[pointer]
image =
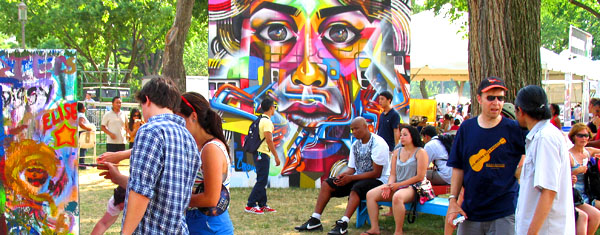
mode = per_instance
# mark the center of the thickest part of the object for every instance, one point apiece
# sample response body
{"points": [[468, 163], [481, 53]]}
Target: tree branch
{"points": [[587, 8], [79, 49]]}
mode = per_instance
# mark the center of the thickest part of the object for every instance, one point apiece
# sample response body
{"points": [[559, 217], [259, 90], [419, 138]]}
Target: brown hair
{"points": [[161, 91], [208, 119], [576, 129]]}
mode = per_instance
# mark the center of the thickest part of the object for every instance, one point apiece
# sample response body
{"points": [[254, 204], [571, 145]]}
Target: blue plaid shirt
{"points": [[164, 162]]}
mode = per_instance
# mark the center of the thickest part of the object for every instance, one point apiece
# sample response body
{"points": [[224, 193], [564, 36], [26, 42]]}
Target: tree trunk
{"points": [[460, 86], [504, 41], [175, 42], [423, 89]]}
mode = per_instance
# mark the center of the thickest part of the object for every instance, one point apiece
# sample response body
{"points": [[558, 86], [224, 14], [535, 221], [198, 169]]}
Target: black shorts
{"points": [[361, 187]]}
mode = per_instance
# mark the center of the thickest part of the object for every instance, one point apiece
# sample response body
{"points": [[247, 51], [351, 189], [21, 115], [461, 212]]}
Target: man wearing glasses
{"points": [[484, 157]]}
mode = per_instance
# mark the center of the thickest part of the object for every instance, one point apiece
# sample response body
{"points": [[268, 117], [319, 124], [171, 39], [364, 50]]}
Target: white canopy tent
{"points": [[438, 51]]}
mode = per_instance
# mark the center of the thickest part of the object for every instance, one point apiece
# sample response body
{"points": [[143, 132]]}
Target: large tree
{"points": [[175, 43], [504, 41]]}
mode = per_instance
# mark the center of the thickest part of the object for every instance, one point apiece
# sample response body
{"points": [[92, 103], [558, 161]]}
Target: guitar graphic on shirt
{"points": [[478, 160]]}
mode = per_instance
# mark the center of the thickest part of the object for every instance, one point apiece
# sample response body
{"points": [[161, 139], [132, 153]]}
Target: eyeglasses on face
{"points": [[493, 97], [582, 135]]}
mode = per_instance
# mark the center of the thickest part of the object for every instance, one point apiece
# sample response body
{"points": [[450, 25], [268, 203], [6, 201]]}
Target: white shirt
{"points": [[546, 166], [115, 123], [85, 121], [577, 113], [439, 156], [380, 154]]}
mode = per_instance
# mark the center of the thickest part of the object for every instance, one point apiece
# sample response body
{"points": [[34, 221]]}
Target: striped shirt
{"points": [[164, 161]]}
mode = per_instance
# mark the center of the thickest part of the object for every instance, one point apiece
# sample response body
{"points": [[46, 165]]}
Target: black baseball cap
{"points": [[490, 83]]}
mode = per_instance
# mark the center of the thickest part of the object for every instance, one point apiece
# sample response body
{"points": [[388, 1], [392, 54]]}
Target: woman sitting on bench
{"points": [[408, 166]]}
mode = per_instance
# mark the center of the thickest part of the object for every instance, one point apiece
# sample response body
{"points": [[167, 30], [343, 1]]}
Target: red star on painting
{"points": [[65, 136]]}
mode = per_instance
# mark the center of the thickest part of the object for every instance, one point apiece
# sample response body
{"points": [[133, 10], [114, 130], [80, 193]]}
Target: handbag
{"points": [[221, 206], [424, 191]]}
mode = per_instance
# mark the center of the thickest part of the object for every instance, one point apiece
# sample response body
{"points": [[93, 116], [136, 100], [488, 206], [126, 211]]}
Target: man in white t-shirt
{"points": [[113, 124], [545, 203], [367, 168], [441, 174]]}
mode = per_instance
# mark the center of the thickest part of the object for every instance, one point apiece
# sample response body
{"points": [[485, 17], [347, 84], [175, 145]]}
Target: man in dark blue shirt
{"points": [[388, 120], [484, 157]]}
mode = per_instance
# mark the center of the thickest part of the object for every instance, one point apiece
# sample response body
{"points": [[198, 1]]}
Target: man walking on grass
{"points": [[257, 200], [164, 163], [367, 168]]}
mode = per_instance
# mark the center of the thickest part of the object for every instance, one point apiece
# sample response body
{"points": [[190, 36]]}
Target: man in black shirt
{"points": [[388, 120]]}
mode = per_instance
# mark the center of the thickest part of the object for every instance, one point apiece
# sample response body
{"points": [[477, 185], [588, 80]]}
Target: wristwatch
{"points": [[452, 196]]}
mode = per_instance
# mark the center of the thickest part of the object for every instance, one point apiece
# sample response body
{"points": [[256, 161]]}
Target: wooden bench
{"points": [[437, 206]]}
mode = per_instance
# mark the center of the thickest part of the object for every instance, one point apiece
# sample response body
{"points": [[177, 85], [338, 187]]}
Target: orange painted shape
{"points": [[65, 136]]}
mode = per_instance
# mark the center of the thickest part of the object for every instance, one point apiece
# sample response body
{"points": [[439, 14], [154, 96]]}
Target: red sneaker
{"points": [[266, 209], [254, 210]]}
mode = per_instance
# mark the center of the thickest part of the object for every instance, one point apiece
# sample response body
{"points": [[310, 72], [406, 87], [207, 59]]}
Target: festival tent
{"points": [[438, 51]]}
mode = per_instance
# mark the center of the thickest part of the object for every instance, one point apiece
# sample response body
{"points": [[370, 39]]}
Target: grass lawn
{"points": [[294, 206]]}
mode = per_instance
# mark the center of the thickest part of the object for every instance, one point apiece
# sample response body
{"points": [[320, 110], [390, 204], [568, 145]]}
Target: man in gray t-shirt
{"points": [[437, 153]]}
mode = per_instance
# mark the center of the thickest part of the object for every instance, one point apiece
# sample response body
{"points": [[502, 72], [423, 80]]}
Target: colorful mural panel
{"points": [[324, 62], [38, 168]]}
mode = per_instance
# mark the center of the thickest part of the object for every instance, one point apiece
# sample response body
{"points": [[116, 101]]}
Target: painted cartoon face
{"points": [[313, 48]]}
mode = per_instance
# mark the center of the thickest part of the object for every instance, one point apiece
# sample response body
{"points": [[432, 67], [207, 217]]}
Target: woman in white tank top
{"points": [[208, 210]]}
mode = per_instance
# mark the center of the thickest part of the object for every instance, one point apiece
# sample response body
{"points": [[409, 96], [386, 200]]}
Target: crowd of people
{"points": [[509, 169]]}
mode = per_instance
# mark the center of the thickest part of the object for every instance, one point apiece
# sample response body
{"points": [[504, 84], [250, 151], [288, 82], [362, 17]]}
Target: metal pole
{"points": [[23, 34]]}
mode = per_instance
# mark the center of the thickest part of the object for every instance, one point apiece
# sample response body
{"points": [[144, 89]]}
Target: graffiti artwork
{"points": [[324, 62], [38, 170]]}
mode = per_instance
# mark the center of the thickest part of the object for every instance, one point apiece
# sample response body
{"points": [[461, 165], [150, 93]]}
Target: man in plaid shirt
{"points": [[164, 162]]}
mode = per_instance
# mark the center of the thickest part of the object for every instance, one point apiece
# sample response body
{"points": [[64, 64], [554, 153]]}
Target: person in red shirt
{"points": [[456, 125], [555, 120]]}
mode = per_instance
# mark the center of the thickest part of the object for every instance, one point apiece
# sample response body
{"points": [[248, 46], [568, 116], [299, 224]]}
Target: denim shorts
{"points": [[199, 223]]}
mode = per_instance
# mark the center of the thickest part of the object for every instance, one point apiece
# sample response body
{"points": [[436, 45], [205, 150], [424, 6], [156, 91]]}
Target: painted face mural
{"points": [[323, 62], [38, 194]]}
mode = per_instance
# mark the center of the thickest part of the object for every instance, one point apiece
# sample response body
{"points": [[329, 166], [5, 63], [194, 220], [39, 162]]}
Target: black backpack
{"points": [[591, 180], [252, 141], [447, 140]]}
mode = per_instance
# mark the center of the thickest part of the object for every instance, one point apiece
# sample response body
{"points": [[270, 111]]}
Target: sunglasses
{"points": [[493, 97], [582, 135]]}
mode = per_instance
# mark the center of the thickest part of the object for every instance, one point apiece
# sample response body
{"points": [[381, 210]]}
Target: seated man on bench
{"points": [[437, 148], [367, 167]]}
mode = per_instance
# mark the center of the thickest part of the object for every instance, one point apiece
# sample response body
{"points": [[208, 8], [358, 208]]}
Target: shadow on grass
{"points": [[294, 206]]}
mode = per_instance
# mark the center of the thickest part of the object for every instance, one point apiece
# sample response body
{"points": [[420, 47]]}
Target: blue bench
{"points": [[437, 206]]}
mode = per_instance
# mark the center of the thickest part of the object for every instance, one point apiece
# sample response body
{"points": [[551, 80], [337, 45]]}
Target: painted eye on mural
{"points": [[275, 32], [340, 33]]}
